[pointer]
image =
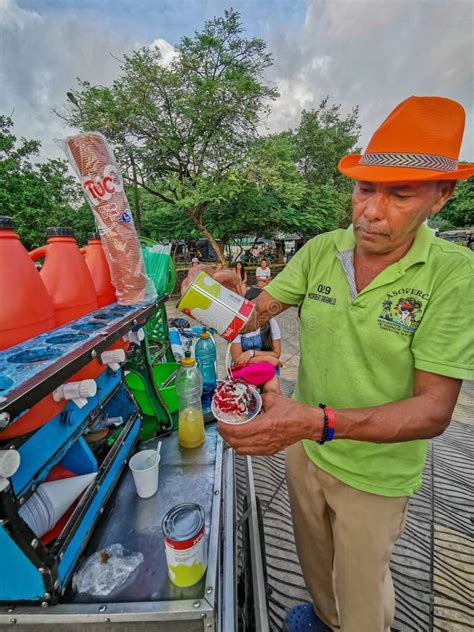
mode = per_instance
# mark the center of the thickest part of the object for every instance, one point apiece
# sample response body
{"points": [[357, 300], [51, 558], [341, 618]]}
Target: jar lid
{"points": [[59, 231], [6, 223]]}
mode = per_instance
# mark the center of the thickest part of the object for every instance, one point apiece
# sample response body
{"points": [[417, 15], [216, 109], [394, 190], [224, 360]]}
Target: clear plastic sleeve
{"points": [[94, 162]]}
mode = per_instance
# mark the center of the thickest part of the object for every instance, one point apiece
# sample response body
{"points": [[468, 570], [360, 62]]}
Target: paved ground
{"points": [[433, 564]]}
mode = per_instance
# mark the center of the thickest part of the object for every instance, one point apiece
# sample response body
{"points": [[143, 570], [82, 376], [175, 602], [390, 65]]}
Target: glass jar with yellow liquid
{"points": [[189, 388]]}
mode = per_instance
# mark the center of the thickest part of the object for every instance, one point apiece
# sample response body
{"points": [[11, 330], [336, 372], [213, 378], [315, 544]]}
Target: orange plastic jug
{"points": [[69, 284], [26, 310], [100, 273], [94, 257], [66, 276], [33, 418]]}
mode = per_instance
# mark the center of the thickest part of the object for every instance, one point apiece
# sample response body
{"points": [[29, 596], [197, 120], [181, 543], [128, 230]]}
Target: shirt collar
{"points": [[345, 240], [420, 248]]}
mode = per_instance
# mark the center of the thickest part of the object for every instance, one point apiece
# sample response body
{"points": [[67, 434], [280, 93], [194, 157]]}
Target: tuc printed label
{"points": [[101, 189]]}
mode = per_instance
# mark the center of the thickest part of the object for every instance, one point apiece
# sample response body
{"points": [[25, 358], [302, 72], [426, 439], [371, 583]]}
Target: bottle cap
{"points": [[6, 223], [204, 333], [59, 231], [94, 236], [188, 360]]}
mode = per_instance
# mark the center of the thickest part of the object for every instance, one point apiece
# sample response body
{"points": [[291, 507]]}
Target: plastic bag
{"points": [[105, 571], [157, 260], [94, 162], [102, 422]]}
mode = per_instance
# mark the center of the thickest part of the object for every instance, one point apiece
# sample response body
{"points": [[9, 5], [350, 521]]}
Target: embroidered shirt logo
{"points": [[402, 315]]}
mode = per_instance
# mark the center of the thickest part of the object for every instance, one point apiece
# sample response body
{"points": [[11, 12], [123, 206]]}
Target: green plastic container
{"points": [[160, 372]]}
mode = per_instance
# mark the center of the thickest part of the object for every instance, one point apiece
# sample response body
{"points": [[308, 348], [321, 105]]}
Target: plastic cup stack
{"points": [[51, 501]]}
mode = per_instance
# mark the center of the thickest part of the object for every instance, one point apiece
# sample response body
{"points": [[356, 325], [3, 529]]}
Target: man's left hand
{"points": [[283, 422]]}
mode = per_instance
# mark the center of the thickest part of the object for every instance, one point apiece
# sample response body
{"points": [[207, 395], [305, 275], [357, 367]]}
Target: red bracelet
{"points": [[329, 428], [331, 417], [331, 423]]}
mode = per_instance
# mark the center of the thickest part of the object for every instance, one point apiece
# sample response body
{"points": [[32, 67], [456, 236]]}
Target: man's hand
{"points": [[284, 422], [226, 277]]}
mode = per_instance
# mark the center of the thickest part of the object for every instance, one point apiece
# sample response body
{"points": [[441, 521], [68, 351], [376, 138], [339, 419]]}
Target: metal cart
{"points": [[150, 601], [110, 512]]}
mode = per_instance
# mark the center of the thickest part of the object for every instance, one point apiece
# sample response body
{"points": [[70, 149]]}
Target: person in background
{"points": [[263, 273], [242, 274], [219, 266], [261, 345], [194, 262]]}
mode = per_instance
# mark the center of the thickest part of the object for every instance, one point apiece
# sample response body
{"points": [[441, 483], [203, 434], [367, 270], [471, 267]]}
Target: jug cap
{"points": [[188, 360], [6, 223], [59, 231]]}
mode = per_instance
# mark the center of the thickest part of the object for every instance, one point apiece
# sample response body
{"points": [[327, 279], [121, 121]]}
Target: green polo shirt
{"points": [[360, 350]]}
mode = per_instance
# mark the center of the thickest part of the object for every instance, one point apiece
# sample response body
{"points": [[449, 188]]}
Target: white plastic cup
{"points": [[144, 466]]}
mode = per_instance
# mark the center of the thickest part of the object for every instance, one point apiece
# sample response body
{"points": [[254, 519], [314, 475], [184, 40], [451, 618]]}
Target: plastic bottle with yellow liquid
{"points": [[189, 388]]}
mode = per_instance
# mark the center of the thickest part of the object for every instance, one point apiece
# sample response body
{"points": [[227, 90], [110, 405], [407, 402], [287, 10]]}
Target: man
{"points": [[386, 340], [263, 273], [194, 262]]}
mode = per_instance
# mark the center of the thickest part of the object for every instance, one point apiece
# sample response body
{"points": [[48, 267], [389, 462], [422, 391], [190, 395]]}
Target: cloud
{"points": [[41, 57], [167, 50], [375, 53], [371, 53]]}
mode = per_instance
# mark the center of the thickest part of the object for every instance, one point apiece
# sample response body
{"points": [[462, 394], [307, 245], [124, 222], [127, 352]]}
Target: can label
{"points": [[214, 305], [187, 560]]}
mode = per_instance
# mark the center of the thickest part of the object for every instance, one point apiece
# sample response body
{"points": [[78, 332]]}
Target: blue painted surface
{"points": [[19, 578], [71, 553], [121, 404], [79, 458], [55, 437], [91, 326]]}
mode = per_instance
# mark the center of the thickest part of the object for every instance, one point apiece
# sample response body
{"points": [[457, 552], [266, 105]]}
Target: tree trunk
{"points": [[215, 246], [222, 243], [279, 251], [136, 198]]}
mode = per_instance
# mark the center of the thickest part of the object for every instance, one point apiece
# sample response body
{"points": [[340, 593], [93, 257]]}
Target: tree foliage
{"points": [[323, 136], [459, 210], [37, 195], [186, 125]]}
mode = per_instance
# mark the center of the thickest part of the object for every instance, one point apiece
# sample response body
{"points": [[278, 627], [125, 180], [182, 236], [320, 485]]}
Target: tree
{"points": [[459, 210], [268, 186], [182, 128], [253, 199], [322, 138], [322, 208], [38, 195]]}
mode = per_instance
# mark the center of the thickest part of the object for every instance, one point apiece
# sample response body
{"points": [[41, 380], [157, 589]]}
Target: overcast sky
{"points": [[371, 53]]}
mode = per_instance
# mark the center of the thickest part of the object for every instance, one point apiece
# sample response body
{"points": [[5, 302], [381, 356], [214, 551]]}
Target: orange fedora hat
{"points": [[419, 140]]}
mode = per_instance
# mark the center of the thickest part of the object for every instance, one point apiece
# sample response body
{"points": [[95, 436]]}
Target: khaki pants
{"points": [[344, 539]]}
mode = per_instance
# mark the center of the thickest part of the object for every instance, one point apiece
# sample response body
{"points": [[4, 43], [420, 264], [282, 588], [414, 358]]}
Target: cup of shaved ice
{"points": [[235, 402]]}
